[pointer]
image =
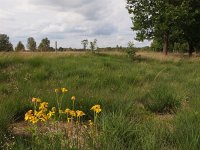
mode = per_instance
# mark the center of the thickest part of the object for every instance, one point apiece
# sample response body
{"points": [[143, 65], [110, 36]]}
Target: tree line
{"points": [[5, 44], [169, 23]]}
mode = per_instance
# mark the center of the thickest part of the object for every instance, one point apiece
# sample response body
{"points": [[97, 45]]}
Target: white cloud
{"points": [[67, 21]]}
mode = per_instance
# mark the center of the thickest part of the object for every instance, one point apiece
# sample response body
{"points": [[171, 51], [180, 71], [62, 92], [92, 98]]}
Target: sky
{"points": [[68, 22]]}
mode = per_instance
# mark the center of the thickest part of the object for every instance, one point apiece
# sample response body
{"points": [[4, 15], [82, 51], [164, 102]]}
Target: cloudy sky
{"points": [[67, 21]]}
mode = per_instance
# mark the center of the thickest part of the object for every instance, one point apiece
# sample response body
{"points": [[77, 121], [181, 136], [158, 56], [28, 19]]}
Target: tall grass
{"points": [[132, 95]]}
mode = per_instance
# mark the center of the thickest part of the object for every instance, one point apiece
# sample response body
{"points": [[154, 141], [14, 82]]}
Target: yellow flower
{"points": [[61, 111], [73, 98], [64, 90], [98, 110], [34, 100], [90, 122], [72, 113], [30, 112], [68, 120], [34, 120], [43, 118], [80, 113], [50, 114], [53, 109], [95, 107], [67, 111], [37, 100], [38, 114], [43, 106], [28, 115], [57, 90]]}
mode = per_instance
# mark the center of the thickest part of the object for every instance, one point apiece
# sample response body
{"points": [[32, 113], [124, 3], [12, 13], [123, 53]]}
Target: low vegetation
{"points": [[146, 104]]}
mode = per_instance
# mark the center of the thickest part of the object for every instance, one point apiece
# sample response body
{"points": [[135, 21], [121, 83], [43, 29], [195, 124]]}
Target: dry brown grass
{"points": [[113, 53], [153, 55], [40, 54], [170, 57]]}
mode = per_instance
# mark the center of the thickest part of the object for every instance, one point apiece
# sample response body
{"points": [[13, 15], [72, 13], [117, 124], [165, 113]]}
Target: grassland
{"points": [[151, 103]]}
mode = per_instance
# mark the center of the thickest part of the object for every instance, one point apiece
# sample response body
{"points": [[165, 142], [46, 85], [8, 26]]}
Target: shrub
{"points": [[131, 51]]}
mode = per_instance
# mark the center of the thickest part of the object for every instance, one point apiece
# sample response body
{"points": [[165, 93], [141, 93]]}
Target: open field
{"points": [[151, 103]]}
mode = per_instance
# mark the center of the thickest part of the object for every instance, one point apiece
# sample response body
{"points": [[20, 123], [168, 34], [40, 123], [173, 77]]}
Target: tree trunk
{"points": [[191, 49], [166, 43]]}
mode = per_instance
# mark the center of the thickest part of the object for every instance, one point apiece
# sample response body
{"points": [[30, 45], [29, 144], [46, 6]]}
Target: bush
{"points": [[131, 51]]}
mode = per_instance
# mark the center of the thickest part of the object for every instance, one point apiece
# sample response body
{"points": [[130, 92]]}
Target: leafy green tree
{"points": [[170, 21], [153, 18], [189, 23], [31, 44], [5, 44], [180, 47], [84, 43], [156, 45], [93, 45], [61, 49], [44, 45], [20, 46]]}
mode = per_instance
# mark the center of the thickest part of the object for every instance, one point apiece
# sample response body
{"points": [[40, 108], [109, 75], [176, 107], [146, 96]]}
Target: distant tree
{"points": [[84, 43], [93, 45], [44, 45], [20, 46], [51, 49], [61, 49], [31, 44], [5, 44]]}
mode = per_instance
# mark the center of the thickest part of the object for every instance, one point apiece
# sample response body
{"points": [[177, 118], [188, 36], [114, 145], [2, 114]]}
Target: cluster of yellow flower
{"points": [[61, 90], [41, 113]]}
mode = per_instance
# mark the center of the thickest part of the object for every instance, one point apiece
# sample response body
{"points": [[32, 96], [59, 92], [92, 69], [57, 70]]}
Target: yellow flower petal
{"points": [[95, 107], [36, 100], [64, 90], [72, 113], [53, 109], [67, 111], [80, 113]]}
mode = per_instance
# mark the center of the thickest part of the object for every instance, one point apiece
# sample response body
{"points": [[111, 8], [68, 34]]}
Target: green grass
{"points": [[135, 96]]}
